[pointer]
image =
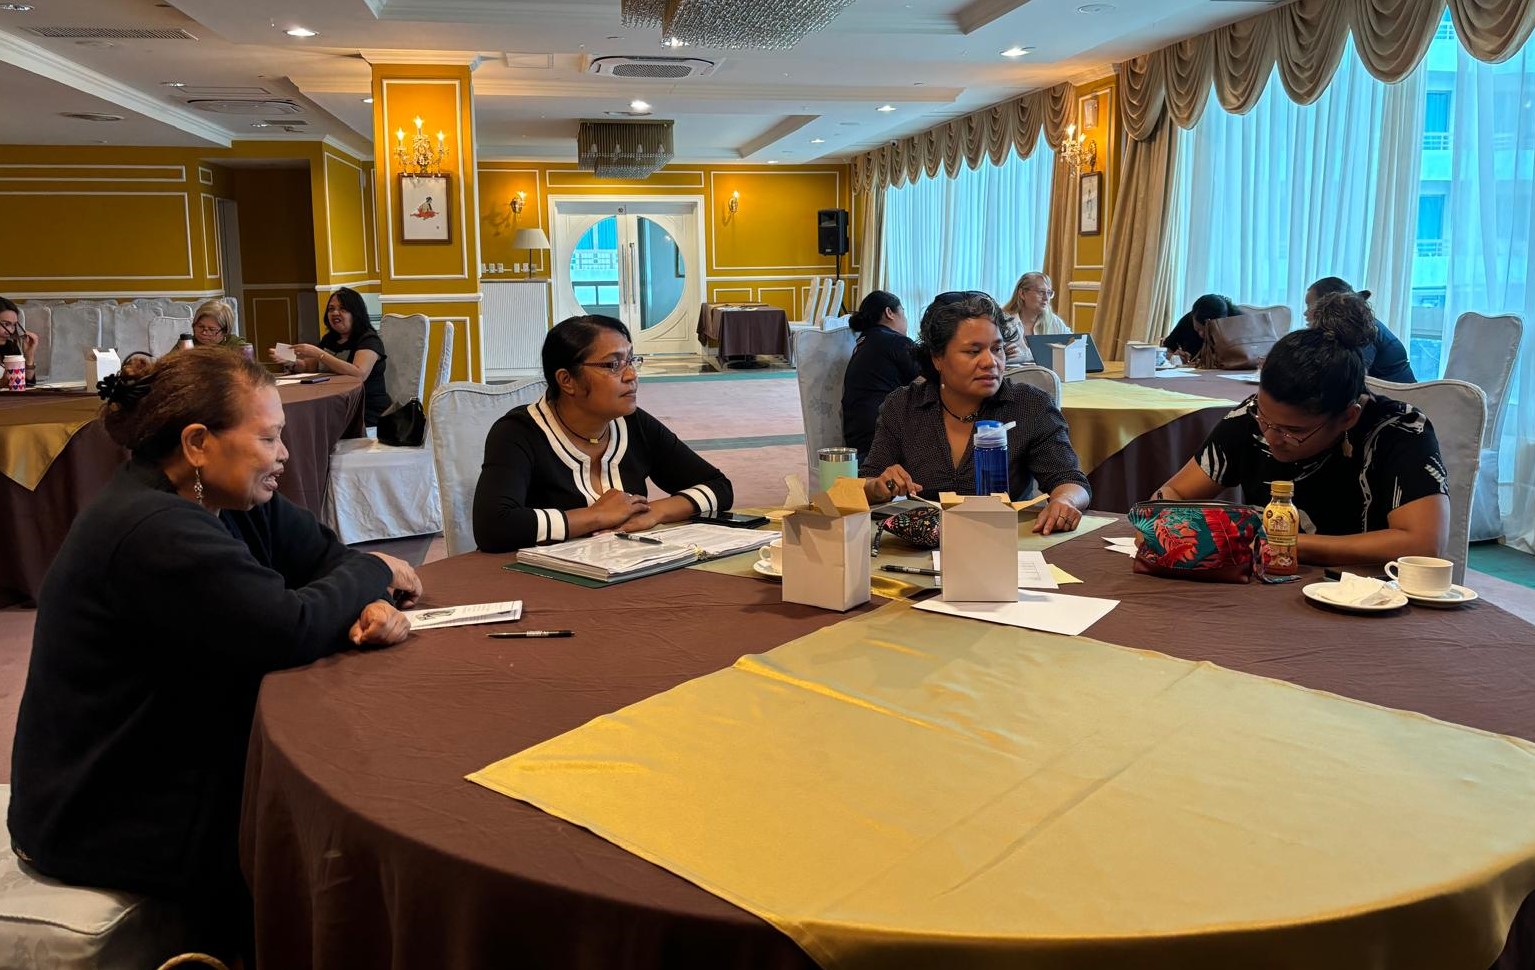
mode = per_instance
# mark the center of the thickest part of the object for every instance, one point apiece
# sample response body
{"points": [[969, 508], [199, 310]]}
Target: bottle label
{"points": [[1281, 523]]}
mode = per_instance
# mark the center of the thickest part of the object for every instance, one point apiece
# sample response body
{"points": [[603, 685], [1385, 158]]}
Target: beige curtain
{"points": [[1060, 237], [1137, 295], [871, 240], [1493, 30]]}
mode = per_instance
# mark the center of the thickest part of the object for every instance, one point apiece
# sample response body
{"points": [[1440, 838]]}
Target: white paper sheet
{"points": [[1163, 372], [444, 616], [1120, 544], [1048, 612], [1246, 377], [1033, 571], [285, 353]]}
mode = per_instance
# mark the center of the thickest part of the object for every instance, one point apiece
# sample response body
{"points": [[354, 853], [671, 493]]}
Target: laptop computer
{"points": [[1040, 344]]}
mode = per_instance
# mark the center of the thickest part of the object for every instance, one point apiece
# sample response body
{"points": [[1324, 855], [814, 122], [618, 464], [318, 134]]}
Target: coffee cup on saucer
{"points": [[771, 555], [1422, 575]]}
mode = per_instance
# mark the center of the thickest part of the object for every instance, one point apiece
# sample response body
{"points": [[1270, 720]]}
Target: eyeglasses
{"points": [[1047, 294], [1265, 425], [213, 329], [616, 367]]}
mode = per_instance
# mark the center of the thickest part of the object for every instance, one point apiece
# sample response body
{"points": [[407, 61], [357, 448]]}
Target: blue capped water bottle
{"points": [[990, 458]]}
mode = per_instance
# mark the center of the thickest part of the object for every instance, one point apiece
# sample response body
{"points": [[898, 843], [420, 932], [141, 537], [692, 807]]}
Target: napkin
{"points": [[1352, 590]]}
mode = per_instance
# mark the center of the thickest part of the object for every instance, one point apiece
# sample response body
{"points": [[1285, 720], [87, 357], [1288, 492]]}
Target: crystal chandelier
{"points": [[731, 24], [1077, 152], [420, 159], [624, 149]]}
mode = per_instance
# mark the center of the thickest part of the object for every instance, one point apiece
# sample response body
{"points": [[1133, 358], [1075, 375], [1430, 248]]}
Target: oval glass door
{"points": [[594, 271], [660, 272]]}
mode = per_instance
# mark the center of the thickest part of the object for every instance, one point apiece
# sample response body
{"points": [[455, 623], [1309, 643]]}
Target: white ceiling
{"points": [[930, 59]]}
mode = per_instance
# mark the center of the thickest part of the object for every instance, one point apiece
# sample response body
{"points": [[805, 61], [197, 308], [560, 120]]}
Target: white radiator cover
{"points": [[514, 319]]}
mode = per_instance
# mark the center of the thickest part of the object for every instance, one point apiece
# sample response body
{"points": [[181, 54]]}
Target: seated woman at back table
{"points": [[187, 579], [351, 347], [213, 326], [1385, 359], [1369, 481], [881, 362], [577, 461], [1184, 340], [16, 340], [1029, 313], [924, 442]]}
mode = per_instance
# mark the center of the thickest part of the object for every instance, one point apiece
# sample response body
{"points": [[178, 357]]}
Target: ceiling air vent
{"points": [[240, 106], [655, 68], [113, 33]]}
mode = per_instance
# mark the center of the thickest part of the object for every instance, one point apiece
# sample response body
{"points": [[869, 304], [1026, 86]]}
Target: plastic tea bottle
{"points": [[990, 458], [185, 342], [1281, 521]]}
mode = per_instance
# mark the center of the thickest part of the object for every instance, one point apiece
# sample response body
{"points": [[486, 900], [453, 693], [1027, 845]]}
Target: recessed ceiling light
{"points": [[90, 116], [300, 32], [887, 108], [368, 100], [16, 7], [260, 124], [818, 141], [1017, 51], [673, 42], [772, 161], [638, 105], [1095, 8], [173, 84]]}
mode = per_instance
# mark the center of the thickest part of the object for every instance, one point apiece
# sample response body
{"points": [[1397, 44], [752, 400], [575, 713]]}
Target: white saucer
{"points": [[1319, 591], [1451, 598], [764, 568]]}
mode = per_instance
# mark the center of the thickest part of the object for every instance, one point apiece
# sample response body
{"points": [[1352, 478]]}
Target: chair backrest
{"points": [[75, 330], [1041, 377], [1279, 314], [406, 339], [180, 309], [1458, 411], [1483, 352], [132, 331], [163, 334], [820, 360], [38, 319], [445, 362], [458, 422], [813, 298], [833, 303]]}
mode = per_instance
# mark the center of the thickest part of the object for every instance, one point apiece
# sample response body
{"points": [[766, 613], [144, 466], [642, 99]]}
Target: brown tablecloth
{"points": [[35, 522], [365, 847], [744, 331]]}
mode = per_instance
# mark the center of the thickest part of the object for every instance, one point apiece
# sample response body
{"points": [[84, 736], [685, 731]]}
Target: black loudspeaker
{"points": [[831, 232]]}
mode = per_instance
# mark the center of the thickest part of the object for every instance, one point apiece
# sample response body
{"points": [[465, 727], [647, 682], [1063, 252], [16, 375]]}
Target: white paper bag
{"points": [[979, 549], [1069, 361], [1140, 359], [99, 365], [826, 557]]}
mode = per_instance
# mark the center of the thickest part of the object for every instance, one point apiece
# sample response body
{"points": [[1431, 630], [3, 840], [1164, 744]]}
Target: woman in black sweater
{"points": [[882, 361], [352, 347], [183, 583], [577, 461]]}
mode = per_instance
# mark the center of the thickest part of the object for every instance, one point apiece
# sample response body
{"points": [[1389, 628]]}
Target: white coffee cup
{"points": [[1422, 575], [772, 555]]}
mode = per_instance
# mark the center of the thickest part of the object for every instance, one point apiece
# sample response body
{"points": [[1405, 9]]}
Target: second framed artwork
{"points": [[1090, 204], [424, 209]]}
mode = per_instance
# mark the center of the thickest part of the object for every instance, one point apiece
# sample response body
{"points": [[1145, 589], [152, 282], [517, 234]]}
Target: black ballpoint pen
{"points": [[911, 570], [634, 538], [529, 634]]}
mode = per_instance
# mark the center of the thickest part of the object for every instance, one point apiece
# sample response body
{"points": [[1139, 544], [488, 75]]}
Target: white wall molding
{"points": [[431, 298]]}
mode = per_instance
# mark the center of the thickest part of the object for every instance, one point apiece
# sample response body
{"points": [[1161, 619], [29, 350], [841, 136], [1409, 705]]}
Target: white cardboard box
{"points": [[979, 543], [826, 555], [1140, 359], [99, 365], [1069, 361]]}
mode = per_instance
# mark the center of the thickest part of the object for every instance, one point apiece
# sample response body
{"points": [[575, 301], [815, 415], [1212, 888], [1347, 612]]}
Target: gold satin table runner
{"points": [[32, 436], [1106, 415], [908, 790]]}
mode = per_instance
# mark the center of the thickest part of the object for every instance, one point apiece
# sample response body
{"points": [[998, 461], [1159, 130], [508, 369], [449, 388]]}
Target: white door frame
{"points": [[694, 290]]}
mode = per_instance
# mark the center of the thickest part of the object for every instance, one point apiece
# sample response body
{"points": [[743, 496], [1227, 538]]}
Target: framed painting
{"points": [[424, 209], [1089, 205]]}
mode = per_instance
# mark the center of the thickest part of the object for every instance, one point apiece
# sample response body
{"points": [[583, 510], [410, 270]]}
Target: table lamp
{"points": [[530, 239]]}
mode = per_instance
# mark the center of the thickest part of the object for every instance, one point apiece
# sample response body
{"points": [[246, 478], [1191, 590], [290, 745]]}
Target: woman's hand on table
{"points": [[379, 624], [615, 508], [889, 483], [641, 521], [1063, 513], [403, 581]]}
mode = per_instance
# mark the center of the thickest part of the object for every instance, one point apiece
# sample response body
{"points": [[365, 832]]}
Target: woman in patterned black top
{"points": [[578, 461], [1369, 481], [923, 441]]}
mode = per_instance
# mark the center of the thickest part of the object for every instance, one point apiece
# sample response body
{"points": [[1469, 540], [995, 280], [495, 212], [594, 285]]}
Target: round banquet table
{"points": [[365, 846], [36, 520]]}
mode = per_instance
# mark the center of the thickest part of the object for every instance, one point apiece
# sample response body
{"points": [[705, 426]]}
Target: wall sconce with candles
{"points": [[1077, 152], [420, 159], [732, 205], [518, 202]]}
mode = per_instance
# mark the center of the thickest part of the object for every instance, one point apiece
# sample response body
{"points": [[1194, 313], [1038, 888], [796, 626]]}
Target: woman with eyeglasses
{"points": [[1029, 311], [924, 442], [579, 461], [1369, 481], [16, 340], [213, 326]]}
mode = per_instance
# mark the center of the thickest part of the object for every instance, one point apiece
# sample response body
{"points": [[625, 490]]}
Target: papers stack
{"points": [[1049, 612], [609, 557], [714, 541], [1033, 571], [445, 616]]}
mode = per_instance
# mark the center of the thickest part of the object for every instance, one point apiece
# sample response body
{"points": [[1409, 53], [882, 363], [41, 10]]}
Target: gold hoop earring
{"points": [[197, 485]]}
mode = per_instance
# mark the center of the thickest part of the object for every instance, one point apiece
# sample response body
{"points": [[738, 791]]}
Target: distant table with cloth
{"points": [[1176, 814], [743, 331], [55, 456]]}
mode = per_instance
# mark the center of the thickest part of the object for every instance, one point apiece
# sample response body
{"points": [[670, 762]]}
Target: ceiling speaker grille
{"points": [[113, 33], [624, 149]]}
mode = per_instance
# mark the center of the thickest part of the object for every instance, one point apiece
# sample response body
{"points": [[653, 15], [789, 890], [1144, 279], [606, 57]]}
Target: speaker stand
{"points": [[842, 306]]}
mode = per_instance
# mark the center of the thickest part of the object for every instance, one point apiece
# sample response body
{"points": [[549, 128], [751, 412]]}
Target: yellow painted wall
{"points": [[1077, 299], [765, 253], [277, 250]]}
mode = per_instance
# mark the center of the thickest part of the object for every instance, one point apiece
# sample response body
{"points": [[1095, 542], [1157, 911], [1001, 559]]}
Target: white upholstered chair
{"points": [[1041, 377], [457, 424], [1483, 352], [1279, 314], [379, 491], [163, 334], [37, 317], [133, 324], [1458, 411], [820, 358], [833, 307], [75, 330]]}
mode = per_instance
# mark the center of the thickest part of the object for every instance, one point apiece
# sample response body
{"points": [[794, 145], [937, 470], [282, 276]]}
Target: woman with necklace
{"points": [[577, 461], [923, 441]]}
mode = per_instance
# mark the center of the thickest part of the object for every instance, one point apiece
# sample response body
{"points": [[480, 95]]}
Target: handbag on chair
{"points": [[1236, 343], [405, 426]]}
